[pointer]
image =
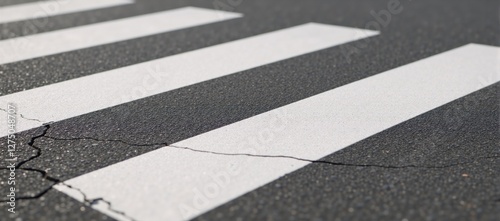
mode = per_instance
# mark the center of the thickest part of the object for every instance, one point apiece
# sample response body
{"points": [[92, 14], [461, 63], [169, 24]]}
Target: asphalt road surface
{"points": [[391, 108]]}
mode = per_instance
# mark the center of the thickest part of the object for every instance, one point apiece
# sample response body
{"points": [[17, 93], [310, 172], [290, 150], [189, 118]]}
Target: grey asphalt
{"points": [[443, 165]]}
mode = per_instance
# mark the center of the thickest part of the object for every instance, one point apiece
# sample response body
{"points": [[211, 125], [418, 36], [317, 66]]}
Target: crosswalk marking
{"points": [[18, 49], [99, 91], [42, 9], [172, 183]]}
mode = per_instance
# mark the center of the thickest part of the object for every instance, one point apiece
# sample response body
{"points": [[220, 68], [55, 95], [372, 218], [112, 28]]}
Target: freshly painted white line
{"points": [[99, 91], [33, 46], [42, 9], [174, 184]]}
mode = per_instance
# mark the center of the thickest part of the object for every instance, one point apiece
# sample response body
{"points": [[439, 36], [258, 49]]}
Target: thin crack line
{"points": [[55, 181], [87, 201], [41, 193], [91, 202], [107, 140], [43, 173], [31, 143], [335, 163], [276, 156], [32, 119], [26, 118]]}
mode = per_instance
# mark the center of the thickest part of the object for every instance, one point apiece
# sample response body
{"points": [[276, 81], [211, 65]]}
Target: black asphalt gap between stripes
{"points": [[428, 168]]}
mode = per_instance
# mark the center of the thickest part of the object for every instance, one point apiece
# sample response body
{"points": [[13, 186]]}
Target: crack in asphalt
{"points": [[41, 193], [91, 202], [33, 119], [27, 118], [55, 181], [277, 156], [94, 201], [31, 143], [338, 163]]}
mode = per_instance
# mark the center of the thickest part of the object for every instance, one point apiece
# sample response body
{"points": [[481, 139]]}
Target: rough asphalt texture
{"points": [[442, 165]]}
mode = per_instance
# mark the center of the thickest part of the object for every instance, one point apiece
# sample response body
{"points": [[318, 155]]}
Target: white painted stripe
{"points": [[33, 46], [99, 91], [42, 9], [162, 184]]}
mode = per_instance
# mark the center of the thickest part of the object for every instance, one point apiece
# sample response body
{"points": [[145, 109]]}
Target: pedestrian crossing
{"points": [[308, 129], [262, 148], [118, 86]]}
